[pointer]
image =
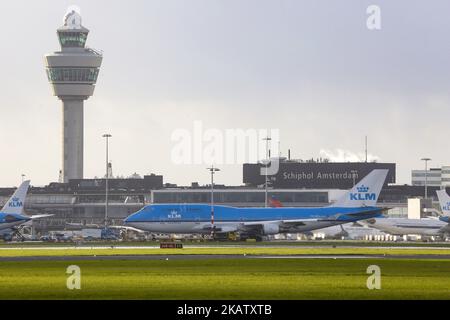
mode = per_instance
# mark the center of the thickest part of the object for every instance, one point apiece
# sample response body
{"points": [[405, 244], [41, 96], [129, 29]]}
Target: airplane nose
{"points": [[137, 216], [129, 219]]}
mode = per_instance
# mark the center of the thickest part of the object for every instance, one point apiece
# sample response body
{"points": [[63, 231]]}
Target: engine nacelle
{"points": [[271, 228]]}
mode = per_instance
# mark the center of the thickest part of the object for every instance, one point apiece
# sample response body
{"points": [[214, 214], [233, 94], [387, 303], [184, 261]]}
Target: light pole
{"points": [[426, 176], [212, 170], [354, 173], [267, 139], [107, 136]]}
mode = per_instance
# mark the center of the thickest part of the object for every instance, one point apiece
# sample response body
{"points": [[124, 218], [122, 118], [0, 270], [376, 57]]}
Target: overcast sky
{"points": [[311, 69]]}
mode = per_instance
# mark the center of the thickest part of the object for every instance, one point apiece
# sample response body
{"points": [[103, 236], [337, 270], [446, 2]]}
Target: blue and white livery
{"points": [[357, 204], [12, 215], [444, 201]]}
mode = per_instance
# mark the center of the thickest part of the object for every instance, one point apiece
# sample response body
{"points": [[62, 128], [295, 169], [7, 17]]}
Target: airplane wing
{"points": [[40, 216], [80, 225], [361, 215], [302, 225], [126, 228]]}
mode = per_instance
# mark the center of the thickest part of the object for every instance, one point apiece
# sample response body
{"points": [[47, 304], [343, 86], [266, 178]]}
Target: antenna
{"points": [[279, 148], [366, 149], [267, 139]]}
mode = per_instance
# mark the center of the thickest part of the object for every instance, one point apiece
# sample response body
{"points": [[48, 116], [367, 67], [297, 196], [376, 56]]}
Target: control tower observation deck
{"points": [[73, 73]]}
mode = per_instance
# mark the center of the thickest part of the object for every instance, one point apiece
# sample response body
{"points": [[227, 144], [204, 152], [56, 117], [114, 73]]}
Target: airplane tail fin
{"points": [[15, 204], [365, 193], [444, 201]]}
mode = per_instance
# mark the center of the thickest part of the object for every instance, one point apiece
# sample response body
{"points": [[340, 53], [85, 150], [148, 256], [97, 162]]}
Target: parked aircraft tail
{"points": [[365, 193], [444, 201], [16, 202]]}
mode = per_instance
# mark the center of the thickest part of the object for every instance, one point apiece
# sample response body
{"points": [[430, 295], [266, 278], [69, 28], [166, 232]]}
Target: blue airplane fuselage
{"points": [[200, 213], [196, 218]]}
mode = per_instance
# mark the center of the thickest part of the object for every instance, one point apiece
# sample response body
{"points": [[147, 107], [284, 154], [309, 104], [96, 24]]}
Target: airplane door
{"points": [[162, 215]]}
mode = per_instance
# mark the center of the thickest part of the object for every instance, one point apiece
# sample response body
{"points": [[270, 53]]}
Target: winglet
{"points": [[16, 202], [366, 192]]}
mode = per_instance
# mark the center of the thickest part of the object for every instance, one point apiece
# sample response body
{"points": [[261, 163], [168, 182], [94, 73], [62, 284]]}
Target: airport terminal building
{"points": [[437, 177]]}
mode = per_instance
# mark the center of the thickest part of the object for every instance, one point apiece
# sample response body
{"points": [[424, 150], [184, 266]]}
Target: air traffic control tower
{"points": [[73, 72]]}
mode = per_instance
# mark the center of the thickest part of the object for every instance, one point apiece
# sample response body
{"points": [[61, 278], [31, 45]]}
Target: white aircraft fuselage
{"points": [[404, 226]]}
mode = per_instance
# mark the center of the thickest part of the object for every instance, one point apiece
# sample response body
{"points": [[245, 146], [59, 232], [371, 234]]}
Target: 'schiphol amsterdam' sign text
{"points": [[311, 175]]}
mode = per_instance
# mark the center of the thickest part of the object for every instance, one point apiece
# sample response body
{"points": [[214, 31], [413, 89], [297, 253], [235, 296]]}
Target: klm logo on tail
{"points": [[15, 203], [362, 194]]}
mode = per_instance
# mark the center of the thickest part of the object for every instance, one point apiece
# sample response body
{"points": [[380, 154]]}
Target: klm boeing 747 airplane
{"points": [[11, 216], [357, 204]]}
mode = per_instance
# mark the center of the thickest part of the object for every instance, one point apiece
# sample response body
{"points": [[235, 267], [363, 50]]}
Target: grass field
{"points": [[227, 279], [16, 252]]}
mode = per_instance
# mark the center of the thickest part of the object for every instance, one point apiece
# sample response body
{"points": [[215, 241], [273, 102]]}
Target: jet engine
{"points": [[271, 228]]}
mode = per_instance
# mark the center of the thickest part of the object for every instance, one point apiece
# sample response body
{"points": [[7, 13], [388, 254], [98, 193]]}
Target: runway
{"points": [[214, 257]]}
